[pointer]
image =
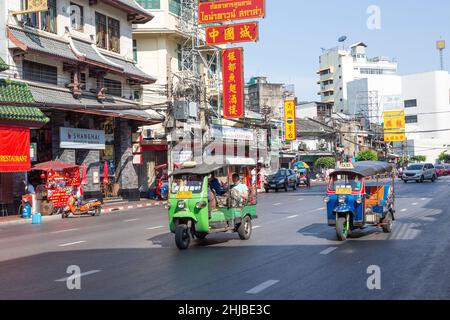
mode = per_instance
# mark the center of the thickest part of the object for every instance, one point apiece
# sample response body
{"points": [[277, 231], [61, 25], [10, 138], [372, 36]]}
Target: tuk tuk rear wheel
{"points": [[245, 229], [341, 229], [182, 237], [388, 220]]}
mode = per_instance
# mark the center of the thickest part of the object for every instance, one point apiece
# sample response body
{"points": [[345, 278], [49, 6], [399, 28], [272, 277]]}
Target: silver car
{"points": [[420, 173]]}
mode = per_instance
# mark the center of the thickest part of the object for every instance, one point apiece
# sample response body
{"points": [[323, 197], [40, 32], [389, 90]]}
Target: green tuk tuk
{"points": [[197, 208]]}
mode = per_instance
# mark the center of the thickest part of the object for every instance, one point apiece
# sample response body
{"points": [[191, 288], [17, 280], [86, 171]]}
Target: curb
{"points": [[104, 211]]}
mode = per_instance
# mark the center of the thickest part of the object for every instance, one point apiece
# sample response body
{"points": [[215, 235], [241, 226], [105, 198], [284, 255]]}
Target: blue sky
{"points": [[294, 31]]}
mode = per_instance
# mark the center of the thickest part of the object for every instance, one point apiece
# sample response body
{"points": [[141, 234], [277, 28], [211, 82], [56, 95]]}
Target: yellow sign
{"points": [[290, 133], [394, 126], [343, 190], [184, 195], [440, 44], [34, 6], [346, 165]]}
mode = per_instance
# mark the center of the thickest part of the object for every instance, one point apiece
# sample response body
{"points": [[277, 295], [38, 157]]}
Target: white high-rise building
{"points": [[338, 67], [427, 108]]}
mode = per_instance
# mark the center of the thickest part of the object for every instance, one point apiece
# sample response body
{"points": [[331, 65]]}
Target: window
{"points": [[135, 50], [39, 72], [149, 4], [113, 87], [410, 103], [76, 17], [114, 35], [45, 20], [108, 32], [100, 26], [411, 119], [175, 7]]}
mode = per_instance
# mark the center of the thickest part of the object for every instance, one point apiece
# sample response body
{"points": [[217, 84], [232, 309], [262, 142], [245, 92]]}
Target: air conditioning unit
{"points": [[148, 134]]}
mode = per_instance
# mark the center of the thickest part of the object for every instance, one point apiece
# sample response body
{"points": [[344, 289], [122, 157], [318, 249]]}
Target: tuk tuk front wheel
{"points": [[182, 237], [341, 229], [245, 229]]}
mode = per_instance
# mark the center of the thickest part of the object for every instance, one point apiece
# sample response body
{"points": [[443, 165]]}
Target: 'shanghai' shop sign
{"points": [[72, 138]]}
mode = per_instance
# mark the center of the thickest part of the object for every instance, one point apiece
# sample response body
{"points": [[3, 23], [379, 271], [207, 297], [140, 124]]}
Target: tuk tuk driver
{"points": [[239, 187]]}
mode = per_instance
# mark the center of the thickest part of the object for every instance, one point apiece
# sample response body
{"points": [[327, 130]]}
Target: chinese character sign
{"points": [[243, 32], [394, 126], [290, 133], [229, 10], [233, 83]]}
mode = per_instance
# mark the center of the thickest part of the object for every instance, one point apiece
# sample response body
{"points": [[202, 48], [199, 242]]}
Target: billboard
{"points": [[233, 83], [394, 126], [242, 32], [290, 133], [230, 10]]}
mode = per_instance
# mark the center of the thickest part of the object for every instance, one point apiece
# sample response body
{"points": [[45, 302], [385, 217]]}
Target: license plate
{"points": [[343, 190], [184, 195], [272, 185]]}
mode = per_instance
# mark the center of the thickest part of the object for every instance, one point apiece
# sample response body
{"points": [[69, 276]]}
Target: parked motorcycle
{"points": [[91, 207]]}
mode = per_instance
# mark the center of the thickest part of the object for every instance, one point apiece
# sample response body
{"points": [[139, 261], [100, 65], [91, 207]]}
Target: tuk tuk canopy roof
{"points": [[54, 166], [203, 169], [367, 168]]}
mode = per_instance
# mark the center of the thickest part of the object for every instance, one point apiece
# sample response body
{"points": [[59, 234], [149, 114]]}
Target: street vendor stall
{"points": [[59, 181]]}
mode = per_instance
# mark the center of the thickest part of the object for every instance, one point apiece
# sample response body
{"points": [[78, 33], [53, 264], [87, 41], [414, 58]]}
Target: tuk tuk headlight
{"points": [[342, 199], [201, 205], [181, 204], [326, 199]]}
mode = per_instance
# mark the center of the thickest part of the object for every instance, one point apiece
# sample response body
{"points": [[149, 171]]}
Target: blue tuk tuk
{"points": [[361, 195]]}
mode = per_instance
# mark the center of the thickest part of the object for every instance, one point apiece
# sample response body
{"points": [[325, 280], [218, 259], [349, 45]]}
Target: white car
{"points": [[420, 173]]}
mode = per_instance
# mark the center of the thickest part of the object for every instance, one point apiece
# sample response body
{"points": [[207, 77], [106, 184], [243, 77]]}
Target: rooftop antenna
{"points": [[440, 45], [342, 40]]}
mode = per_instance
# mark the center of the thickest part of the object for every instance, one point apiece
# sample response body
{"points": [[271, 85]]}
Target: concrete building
{"points": [[76, 61], [313, 110], [338, 67], [427, 108]]}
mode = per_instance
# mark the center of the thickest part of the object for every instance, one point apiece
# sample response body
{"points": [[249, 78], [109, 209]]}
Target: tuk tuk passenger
{"points": [[239, 191]]}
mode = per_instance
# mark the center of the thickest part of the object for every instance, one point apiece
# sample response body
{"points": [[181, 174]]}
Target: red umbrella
{"points": [[83, 174], [105, 173]]}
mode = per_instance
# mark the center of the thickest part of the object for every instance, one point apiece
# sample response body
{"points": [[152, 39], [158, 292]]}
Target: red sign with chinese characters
{"points": [[230, 10], [14, 149], [233, 83], [243, 32]]}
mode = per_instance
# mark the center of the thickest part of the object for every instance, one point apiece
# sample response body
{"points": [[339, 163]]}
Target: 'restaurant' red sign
{"points": [[243, 32], [233, 83], [14, 149], [230, 10]]}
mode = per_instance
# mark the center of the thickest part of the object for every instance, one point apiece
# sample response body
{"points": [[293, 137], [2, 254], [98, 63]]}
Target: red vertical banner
{"points": [[14, 149], [233, 83]]}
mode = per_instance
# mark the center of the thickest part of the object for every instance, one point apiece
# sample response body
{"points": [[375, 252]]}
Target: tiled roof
{"points": [[143, 15], [40, 43], [17, 92], [131, 69], [91, 54], [58, 97]]}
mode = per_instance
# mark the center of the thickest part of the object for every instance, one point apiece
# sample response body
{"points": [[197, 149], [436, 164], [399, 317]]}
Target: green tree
{"points": [[445, 157], [419, 158], [326, 162], [367, 155]]}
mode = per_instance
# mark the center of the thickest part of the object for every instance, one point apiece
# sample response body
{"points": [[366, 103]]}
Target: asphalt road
{"points": [[292, 254]]}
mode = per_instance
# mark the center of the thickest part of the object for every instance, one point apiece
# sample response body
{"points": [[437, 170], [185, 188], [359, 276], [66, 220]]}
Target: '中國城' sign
{"points": [[14, 149], [230, 10], [233, 83], [242, 32]]}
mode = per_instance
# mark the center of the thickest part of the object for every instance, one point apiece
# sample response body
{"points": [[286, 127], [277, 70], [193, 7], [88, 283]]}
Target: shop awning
{"points": [[53, 165], [12, 92]]}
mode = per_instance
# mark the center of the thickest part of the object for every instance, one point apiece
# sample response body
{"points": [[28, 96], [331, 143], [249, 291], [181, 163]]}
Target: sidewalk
{"points": [[107, 208]]}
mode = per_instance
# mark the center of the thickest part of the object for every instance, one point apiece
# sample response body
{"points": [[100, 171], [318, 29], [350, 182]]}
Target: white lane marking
{"points": [[154, 228], [130, 220], [328, 251], [415, 204], [130, 207], [78, 275], [292, 217], [71, 243], [404, 210], [148, 204], [300, 199], [320, 209], [62, 231], [256, 227], [121, 208], [423, 199], [139, 205], [263, 286], [276, 204]]}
